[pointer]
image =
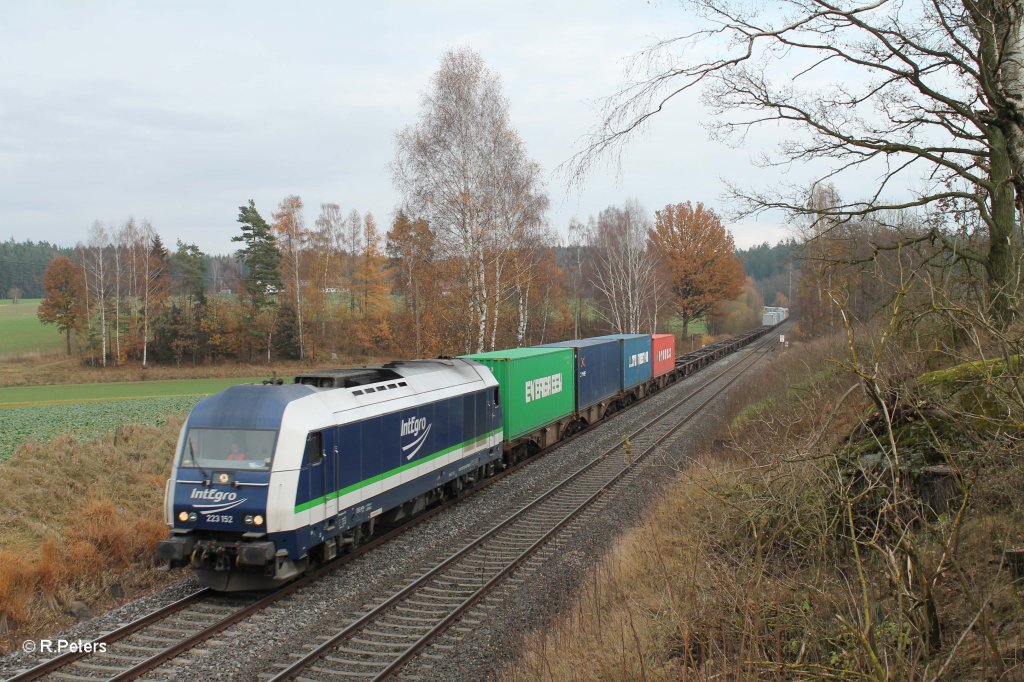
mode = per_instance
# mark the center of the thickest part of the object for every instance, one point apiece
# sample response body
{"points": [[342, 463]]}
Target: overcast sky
{"points": [[180, 112]]}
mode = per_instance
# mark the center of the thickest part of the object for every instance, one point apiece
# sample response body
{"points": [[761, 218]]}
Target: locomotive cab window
{"points": [[314, 448], [228, 449]]}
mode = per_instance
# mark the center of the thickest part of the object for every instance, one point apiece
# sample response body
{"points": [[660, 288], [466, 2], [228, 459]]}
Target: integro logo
{"points": [[215, 501], [664, 354], [638, 359], [543, 387], [413, 425], [418, 428], [212, 495]]}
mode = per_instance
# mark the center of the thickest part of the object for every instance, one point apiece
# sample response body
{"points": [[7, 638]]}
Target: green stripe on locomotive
{"points": [[536, 386]]}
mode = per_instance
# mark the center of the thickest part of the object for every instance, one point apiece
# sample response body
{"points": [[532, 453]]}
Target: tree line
{"points": [[468, 262], [341, 287], [22, 265]]}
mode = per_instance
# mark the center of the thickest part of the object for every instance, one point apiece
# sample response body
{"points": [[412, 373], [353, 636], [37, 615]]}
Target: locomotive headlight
{"points": [[258, 520], [192, 516], [183, 516], [248, 519]]}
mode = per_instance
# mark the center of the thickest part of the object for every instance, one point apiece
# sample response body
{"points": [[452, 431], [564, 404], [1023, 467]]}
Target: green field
{"points": [[25, 396], [673, 325], [89, 410], [21, 331]]}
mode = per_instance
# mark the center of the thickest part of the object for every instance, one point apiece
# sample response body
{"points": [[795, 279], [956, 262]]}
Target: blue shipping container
{"points": [[636, 357], [598, 369]]}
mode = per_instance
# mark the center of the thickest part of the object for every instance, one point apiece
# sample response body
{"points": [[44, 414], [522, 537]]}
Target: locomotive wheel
{"points": [[357, 538]]}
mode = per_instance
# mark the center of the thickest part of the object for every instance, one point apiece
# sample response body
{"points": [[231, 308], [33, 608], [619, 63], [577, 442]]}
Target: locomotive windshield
{"points": [[228, 449]]}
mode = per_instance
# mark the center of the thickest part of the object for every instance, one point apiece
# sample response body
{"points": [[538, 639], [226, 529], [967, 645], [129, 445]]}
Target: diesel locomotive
{"points": [[271, 479]]}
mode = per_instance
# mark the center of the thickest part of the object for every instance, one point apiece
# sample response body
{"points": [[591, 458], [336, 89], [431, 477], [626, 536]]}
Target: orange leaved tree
{"points": [[697, 258], [64, 304]]}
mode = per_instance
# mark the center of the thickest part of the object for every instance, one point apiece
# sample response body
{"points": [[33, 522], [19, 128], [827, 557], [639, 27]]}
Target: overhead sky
{"points": [[179, 112]]}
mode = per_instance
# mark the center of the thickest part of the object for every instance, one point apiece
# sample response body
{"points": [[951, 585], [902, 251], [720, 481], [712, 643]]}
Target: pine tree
{"points": [[261, 256]]}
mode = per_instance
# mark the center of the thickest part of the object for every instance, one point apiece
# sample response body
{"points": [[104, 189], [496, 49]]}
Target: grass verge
{"points": [[778, 557], [80, 523]]}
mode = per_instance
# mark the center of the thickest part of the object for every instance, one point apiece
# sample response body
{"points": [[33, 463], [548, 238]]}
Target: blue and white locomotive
{"points": [[271, 479]]}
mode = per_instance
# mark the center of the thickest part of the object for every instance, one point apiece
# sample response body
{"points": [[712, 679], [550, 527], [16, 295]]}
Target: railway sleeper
{"points": [[351, 662], [361, 652]]}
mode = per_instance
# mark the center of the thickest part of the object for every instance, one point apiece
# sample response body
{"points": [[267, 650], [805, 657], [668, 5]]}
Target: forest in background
{"points": [[362, 293]]}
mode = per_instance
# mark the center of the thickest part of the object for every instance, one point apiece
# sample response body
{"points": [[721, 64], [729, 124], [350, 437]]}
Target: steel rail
{"points": [[630, 468], [58, 662], [68, 659], [414, 586]]}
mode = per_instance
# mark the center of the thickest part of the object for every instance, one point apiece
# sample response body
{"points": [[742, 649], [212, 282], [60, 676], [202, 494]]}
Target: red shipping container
{"points": [[663, 348]]}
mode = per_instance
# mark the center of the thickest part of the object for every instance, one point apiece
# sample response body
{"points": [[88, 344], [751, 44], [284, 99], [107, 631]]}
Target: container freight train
{"points": [[773, 316], [272, 479]]}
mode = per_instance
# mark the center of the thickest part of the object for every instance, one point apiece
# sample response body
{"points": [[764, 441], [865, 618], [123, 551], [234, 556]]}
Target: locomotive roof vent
{"points": [[347, 378]]}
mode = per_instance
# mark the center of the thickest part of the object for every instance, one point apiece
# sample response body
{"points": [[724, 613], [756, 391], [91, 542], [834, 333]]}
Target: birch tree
{"points": [[329, 240], [520, 205], [292, 237], [353, 247], [463, 168], [623, 274], [97, 279], [927, 96], [154, 280]]}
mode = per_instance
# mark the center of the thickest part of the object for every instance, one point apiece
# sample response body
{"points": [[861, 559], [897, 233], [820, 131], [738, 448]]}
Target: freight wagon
{"points": [[597, 375], [663, 359], [635, 355], [774, 315], [538, 396]]}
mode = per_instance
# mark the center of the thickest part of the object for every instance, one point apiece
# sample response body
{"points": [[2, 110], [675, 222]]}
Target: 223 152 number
{"points": [[220, 518]]}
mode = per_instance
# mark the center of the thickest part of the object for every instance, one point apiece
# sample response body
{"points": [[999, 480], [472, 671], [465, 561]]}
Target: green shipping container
{"points": [[536, 386]]}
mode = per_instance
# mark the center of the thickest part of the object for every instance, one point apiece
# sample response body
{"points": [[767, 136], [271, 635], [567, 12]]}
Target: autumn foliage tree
{"points": [[464, 169], [292, 238], [698, 257], [410, 244], [64, 302]]}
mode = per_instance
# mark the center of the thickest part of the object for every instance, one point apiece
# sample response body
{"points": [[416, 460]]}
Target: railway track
{"points": [[418, 613], [386, 636]]}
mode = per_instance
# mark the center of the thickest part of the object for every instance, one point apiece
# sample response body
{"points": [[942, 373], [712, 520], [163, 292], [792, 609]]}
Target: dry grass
{"points": [[80, 522], [747, 568]]}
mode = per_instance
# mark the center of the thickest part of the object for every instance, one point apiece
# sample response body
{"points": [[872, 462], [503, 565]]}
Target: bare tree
{"points": [[577, 240], [329, 237], [95, 265], [519, 208], [624, 273], [464, 169], [154, 279], [939, 108], [293, 236]]}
